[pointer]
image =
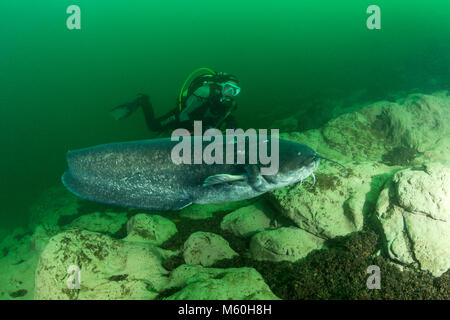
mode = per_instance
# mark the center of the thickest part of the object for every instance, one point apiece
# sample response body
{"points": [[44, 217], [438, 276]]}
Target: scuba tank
{"points": [[197, 82]]}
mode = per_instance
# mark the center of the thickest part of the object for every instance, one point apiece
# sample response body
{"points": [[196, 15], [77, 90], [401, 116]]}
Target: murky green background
{"points": [[57, 85]]}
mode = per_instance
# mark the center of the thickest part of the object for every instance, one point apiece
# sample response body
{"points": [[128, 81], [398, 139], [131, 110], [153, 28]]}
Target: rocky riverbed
{"points": [[307, 241]]}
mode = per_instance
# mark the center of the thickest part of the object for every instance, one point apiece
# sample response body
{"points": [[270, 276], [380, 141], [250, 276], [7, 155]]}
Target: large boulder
{"points": [[109, 269], [373, 143], [150, 228], [206, 248], [414, 213], [283, 244], [405, 132], [336, 204], [248, 220], [199, 283]]}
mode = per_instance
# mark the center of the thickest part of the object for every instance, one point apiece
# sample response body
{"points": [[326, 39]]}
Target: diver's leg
{"points": [[167, 121], [149, 115]]}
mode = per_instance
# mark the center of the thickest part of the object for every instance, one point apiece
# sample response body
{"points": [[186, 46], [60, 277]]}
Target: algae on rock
{"points": [[206, 248], [109, 269]]}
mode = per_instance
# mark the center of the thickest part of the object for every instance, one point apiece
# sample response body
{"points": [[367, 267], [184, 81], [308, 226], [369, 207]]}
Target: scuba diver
{"points": [[209, 98]]}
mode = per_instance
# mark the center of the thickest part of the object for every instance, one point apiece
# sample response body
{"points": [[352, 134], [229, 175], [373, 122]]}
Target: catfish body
{"points": [[141, 174]]}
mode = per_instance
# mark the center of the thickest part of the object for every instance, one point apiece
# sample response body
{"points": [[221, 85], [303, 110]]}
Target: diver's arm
{"points": [[226, 108], [231, 122]]}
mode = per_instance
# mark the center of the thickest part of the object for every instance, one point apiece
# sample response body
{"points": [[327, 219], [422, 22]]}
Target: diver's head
{"points": [[229, 84]]}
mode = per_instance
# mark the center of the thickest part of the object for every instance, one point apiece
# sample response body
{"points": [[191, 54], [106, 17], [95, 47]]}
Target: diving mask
{"points": [[230, 89]]}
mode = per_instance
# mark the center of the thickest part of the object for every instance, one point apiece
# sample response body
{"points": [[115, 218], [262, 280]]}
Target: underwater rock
{"points": [[150, 228], [109, 269], [425, 191], [206, 248], [246, 221], [336, 204], [373, 142], [53, 204], [419, 122], [283, 244], [199, 283], [103, 222], [414, 212], [418, 126], [17, 266]]}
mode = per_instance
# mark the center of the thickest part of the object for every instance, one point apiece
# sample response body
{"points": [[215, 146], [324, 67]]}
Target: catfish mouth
{"points": [[306, 168], [311, 167]]}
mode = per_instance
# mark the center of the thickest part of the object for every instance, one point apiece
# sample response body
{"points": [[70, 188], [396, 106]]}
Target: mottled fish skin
{"points": [[141, 174]]}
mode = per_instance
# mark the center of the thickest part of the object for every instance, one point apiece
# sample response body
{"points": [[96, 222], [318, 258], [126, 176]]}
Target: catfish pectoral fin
{"points": [[178, 205], [223, 178], [255, 179]]}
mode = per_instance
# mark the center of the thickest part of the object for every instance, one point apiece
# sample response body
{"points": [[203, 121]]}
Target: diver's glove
{"points": [[125, 110]]}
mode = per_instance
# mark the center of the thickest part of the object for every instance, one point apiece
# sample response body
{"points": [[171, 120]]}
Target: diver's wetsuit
{"points": [[205, 103]]}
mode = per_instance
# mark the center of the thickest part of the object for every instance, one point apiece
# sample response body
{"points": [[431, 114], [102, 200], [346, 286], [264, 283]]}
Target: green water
{"points": [[58, 84]]}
